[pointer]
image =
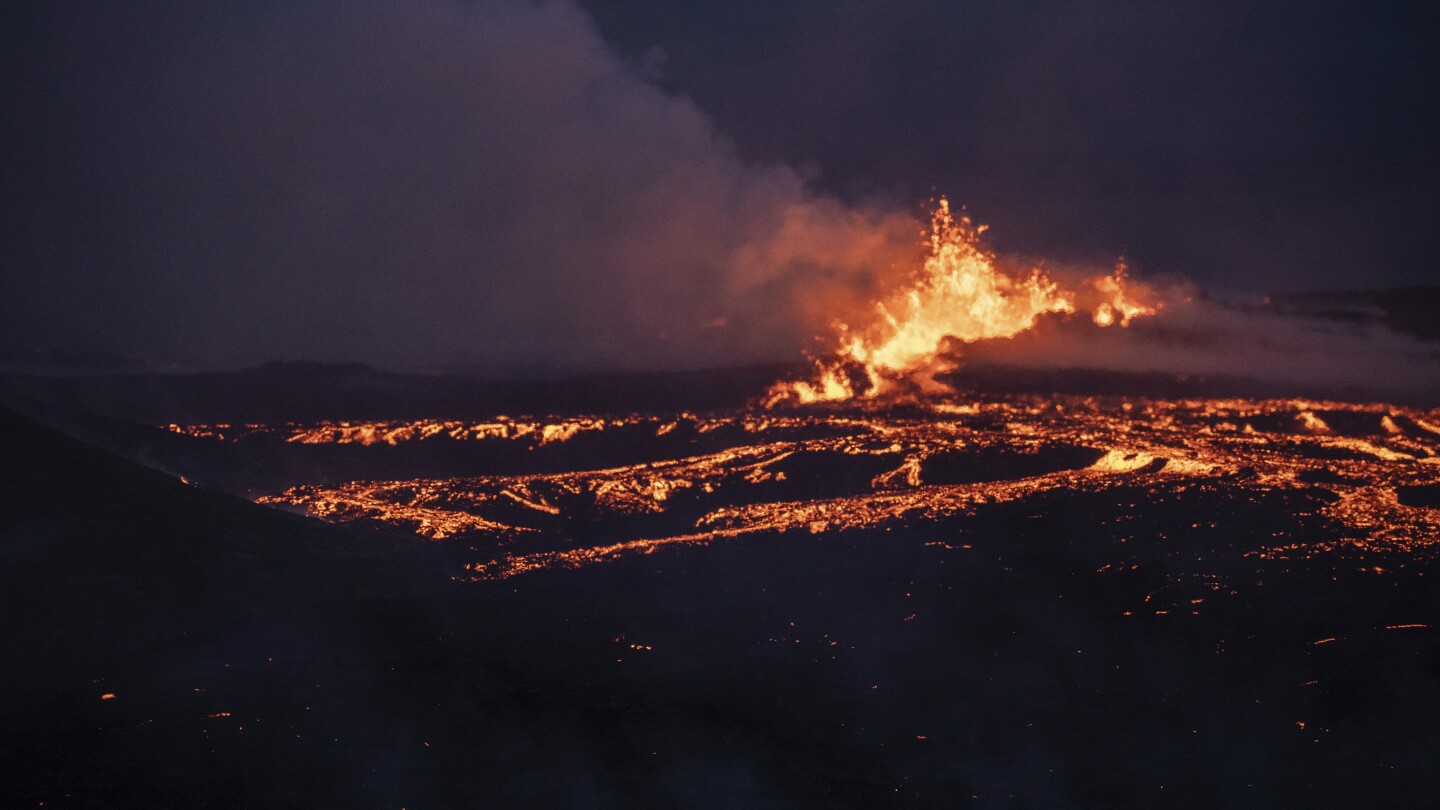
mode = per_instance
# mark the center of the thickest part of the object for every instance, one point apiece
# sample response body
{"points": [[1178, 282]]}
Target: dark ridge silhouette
{"points": [[995, 379], [286, 392], [1409, 310]]}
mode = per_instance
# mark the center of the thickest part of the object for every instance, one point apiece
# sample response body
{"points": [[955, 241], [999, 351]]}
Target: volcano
{"points": [[585, 404]]}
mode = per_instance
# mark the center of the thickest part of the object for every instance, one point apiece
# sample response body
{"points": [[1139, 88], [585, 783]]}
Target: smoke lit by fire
{"points": [[959, 295]]}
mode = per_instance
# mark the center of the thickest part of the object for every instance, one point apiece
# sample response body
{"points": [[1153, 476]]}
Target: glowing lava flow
{"points": [[960, 295], [1349, 480]]}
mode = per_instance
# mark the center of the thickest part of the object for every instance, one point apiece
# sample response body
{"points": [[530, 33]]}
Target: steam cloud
{"points": [[1195, 334]]}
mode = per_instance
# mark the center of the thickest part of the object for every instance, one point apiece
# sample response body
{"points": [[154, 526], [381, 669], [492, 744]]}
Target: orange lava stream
{"points": [[819, 471]]}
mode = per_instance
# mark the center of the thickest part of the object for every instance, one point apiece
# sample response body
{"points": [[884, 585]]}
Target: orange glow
{"points": [[108, 696], [501, 428], [898, 468], [1119, 304], [959, 295]]}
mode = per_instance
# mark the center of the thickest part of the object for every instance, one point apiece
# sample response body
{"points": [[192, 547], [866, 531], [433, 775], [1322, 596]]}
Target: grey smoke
{"points": [[1204, 336], [423, 183]]}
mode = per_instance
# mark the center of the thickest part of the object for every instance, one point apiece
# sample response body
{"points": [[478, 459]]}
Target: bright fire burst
{"points": [[959, 295]]}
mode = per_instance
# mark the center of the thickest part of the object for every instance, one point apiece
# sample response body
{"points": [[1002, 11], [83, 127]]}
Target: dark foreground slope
{"points": [[1072, 648], [199, 613]]}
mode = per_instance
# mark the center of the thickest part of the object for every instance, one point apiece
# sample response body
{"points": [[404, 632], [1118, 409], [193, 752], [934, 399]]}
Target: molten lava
{"points": [[1349, 480], [960, 295], [1120, 303]]}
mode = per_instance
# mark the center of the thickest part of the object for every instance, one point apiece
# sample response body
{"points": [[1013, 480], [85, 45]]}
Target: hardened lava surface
{"points": [[1006, 601], [1211, 480]]}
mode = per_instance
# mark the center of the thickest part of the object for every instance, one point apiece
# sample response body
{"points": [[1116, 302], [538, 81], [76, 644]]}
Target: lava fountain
{"points": [[959, 295]]}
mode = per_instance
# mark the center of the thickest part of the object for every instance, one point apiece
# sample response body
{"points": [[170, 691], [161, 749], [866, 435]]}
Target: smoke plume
{"points": [[435, 182], [422, 183]]}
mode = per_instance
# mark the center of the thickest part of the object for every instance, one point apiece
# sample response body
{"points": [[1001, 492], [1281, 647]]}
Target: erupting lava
{"points": [[959, 295]]}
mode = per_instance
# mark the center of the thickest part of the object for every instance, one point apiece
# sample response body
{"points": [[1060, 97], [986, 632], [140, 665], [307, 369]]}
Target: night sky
{"points": [[660, 183]]}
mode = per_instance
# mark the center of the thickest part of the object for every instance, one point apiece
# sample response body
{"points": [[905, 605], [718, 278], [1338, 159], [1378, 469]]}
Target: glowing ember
{"points": [[960, 296], [1120, 304]]}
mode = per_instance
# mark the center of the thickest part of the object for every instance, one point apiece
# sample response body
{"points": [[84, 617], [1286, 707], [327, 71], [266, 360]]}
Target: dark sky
{"points": [[659, 182], [1245, 143]]}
